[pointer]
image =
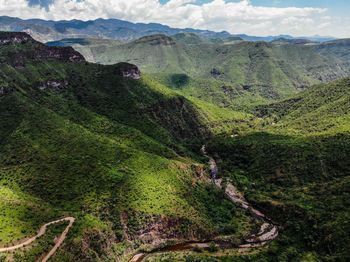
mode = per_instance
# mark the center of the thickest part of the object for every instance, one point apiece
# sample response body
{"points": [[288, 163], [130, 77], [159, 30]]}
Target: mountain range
{"points": [[238, 71], [167, 145], [44, 31]]}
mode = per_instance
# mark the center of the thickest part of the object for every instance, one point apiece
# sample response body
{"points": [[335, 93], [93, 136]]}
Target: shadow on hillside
{"points": [[281, 158], [178, 80], [134, 103]]}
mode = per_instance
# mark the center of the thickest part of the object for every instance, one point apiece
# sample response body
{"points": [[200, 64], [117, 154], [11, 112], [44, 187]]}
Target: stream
{"points": [[267, 232]]}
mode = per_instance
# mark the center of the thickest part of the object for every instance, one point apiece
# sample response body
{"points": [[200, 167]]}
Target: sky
{"points": [[253, 17]]}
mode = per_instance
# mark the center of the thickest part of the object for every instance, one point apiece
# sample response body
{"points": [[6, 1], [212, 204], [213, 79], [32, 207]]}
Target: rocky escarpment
{"points": [[31, 50], [127, 70], [65, 54], [8, 38], [334, 72]]}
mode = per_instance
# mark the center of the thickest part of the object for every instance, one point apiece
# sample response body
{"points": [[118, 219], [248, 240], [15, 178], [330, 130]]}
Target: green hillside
{"points": [[323, 109], [293, 162], [119, 149], [78, 139], [338, 48], [256, 71], [227, 73]]}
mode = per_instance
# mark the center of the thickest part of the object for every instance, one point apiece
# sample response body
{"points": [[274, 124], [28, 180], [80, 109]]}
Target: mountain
{"points": [[315, 38], [239, 72], [45, 31], [337, 48], [114, 149], [294, 41]]}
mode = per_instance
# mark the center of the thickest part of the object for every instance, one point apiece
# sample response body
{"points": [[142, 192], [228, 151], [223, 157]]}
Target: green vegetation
{"points": [[41, 246], [122, 155], [230, 73], [77, 139], [294, 164]]}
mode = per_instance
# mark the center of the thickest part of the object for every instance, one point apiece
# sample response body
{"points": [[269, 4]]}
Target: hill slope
{"points": [[118, 151], [293, 162], [228, 73], [86, 140], [321, 109]]}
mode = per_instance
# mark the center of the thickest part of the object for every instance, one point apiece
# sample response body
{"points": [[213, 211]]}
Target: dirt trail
{"points": [[268, 231], [40, 233]]}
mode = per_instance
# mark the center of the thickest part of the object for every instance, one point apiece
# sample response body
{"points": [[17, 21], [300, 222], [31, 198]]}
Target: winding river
{"points": [[268, 230]]}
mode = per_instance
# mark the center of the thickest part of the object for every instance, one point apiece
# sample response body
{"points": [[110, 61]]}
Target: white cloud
{"points": [[218, 15]]}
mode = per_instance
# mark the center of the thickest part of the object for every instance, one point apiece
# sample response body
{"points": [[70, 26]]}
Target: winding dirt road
{"points": [[268, 231], [40, 233]]}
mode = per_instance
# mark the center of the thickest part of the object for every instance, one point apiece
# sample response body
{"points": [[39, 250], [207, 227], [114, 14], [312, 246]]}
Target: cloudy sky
{"points": [[254, 17]]}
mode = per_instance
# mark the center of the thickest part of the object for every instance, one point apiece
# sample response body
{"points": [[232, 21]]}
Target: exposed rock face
{"points": [[54, 85], [7, 38], [66, 54], [128, 71], [35, 51]]}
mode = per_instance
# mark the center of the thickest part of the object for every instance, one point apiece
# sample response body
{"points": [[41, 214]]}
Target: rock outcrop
{"points": [[127, 70], [35, 51], [8, 38], [65, 54]]}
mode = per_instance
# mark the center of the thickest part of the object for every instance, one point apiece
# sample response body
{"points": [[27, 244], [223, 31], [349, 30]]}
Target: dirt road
{"points": [[40, 233]]}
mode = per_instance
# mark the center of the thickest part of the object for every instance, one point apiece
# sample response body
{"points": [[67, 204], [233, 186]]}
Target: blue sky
{"points": [[255, 17]]}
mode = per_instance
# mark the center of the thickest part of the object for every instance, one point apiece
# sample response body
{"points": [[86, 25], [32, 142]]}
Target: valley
{"points": [[108, 135], [235, 74], [267, 232]]}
